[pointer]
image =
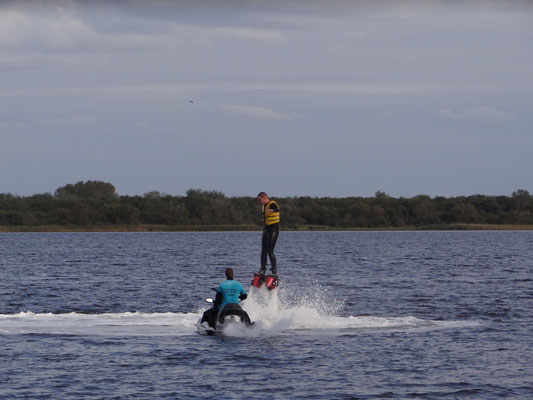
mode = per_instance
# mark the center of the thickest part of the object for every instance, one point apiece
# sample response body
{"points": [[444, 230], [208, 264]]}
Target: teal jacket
{"points": [[231, 291]]}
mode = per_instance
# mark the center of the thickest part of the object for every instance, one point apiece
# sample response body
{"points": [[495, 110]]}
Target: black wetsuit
{"points": [[211, 315], [270, 236]]}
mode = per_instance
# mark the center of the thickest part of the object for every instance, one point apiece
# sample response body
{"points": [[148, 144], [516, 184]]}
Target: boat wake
{"points": [[108, 324], [274, 312]]}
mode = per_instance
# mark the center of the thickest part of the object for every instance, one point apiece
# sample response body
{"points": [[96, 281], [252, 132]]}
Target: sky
{"points": [[295, 98]]}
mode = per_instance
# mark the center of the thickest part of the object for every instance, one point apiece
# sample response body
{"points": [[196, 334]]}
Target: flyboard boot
{"points": [[270, 281]]}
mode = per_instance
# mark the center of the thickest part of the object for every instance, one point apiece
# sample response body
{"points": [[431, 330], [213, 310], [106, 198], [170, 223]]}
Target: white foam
{"points": [[276, 312], [112, 324]]}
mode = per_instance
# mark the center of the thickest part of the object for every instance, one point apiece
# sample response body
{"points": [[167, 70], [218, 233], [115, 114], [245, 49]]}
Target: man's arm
{"points": [[243, 294], [273, 208], [218, 299]]}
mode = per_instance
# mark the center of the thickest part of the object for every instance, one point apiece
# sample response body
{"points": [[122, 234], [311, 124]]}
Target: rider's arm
{"points": [[243, 294], [218, 299]]}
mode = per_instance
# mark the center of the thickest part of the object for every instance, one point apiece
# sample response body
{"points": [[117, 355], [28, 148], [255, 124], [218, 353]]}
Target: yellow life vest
{"points": [[270, 218]]}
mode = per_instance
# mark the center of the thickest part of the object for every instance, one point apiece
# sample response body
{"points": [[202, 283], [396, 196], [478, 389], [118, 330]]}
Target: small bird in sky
{"points": [[190, 101]]}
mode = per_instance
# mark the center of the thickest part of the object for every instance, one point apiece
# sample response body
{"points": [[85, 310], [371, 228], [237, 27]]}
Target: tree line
{"points": [[97, 204]]}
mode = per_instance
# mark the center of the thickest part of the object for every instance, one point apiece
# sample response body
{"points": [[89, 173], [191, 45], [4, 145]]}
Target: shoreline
{"points": [[246, 228]]}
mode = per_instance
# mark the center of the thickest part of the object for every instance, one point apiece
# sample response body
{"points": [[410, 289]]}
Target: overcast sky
{"points": [[295, 98]]}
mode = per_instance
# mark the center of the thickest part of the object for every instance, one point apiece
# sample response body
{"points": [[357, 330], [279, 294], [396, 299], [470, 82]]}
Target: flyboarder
{"points": [[271, 218]]}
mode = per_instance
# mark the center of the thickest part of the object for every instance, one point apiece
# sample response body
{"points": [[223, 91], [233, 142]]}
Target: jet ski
{"points": [[270, 281], [229, 314]]}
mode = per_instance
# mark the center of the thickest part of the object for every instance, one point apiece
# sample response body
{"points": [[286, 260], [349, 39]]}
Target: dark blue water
{"points": [[362, 315]]}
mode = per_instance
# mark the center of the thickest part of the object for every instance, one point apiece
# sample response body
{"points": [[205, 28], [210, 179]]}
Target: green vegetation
{"points": [[95, 206]]}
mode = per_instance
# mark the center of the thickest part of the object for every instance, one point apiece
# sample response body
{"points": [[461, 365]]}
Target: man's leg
{"points": [[212, 316], [272, 239], [264, 251], [205, 316]]}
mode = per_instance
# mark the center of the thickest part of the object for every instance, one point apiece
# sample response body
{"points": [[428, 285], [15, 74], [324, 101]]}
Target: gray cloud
{"points": [[75, 119], [483, 114], [257, 112]]}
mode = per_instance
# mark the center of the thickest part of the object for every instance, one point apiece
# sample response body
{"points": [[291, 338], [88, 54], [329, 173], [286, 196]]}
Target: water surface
{"points": [[359, 315]]}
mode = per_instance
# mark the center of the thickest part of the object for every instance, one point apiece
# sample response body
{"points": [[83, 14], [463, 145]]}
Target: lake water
{"points": [[358, 315]]}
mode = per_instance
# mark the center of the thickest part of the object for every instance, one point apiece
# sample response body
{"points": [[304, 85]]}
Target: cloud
{"points": [[66, 26], [76, 119], [355, 88], [187, 89], [58, 31], [12, 25], [62, 29], [5, 127], [257, 112], [118, 91], [482, 114], [244, 33]]}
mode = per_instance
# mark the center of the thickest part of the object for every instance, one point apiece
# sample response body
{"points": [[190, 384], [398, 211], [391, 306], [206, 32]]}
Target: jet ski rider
{"points": [[229, 291], [271, 220]]}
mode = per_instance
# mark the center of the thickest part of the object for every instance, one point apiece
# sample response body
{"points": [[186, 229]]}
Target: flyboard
{"points": [[270, 282]]}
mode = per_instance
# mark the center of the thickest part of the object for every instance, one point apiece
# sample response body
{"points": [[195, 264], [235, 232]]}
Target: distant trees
{"points": [[90, 190], [521, 200], [96, 203]]}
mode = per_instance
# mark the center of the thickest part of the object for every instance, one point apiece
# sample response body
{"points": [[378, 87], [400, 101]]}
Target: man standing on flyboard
{"points": [[271, 219]]}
